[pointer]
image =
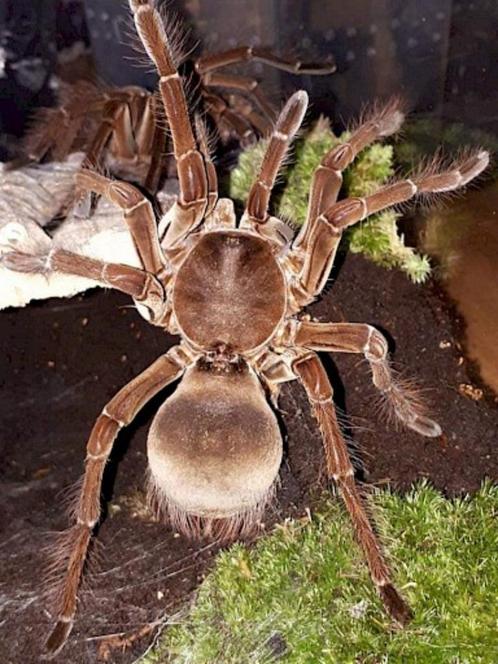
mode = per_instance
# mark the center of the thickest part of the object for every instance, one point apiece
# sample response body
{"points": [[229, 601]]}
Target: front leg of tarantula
{"points": [[330, 224], [137, 212], [257, 208], [192, 201], [141, 285], [361, 338], [312, 376], [118, 413], [378, 122]]}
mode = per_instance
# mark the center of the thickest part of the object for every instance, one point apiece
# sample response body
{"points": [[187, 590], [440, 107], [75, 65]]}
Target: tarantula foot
{"points": [[425, 427], [21, 262], [395, 605], [57, 638]]}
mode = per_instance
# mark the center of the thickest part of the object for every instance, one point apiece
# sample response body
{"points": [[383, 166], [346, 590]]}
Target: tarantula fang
{"points": [[232, 291]]}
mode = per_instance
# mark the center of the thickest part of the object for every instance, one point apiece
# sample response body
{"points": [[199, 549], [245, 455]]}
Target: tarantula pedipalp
{"points": [[232, 292], [120, 129]]}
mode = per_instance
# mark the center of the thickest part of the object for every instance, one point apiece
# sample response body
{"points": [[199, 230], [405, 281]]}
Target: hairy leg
{"points": [[240, 54], [327, 179], [190, 164], [118, 413], [130, 280], [286, 127], [228, 121], [312, 375], [261, 124], [249, 86], [138, 215], [327, 231], [212, 178], [361, 338]]}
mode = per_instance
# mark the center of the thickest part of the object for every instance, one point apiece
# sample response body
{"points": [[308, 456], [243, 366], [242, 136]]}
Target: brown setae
{"points": [[121, 130], [233, 291]]}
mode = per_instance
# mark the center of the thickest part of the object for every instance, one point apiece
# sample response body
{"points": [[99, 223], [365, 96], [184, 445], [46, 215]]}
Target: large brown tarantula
{"points": [[232, 290], [121, 128]]}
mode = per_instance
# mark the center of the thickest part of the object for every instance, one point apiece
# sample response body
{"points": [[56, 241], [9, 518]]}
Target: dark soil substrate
{"points": [[62, 360]]}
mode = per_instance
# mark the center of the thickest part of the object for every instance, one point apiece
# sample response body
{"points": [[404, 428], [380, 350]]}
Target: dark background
{"points": [[440, 55]]}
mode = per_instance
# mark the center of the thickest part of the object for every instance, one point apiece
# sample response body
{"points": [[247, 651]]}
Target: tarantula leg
{"points": [[153, 176], [142, 286], [327, 179], [113, 119], [138, 215], [190, 162], [314, 379], [118, 413], [328, 229], [262, 125], [286, 127], [361, 338], [56, 129], [242, 84], [212, 177], [227, 120], [234, 56], [151, 144]]}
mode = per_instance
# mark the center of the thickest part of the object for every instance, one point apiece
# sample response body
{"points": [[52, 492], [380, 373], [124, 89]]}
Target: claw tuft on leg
{"points": [[57, 638], [395, 605]]}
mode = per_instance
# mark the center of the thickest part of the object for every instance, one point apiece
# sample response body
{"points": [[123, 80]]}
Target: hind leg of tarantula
{"points": [[118, 413], [362, 338], [312, 376]]}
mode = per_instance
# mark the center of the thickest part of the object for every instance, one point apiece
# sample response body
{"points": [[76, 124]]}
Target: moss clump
{"points": [[303, 594], [378, 237]]}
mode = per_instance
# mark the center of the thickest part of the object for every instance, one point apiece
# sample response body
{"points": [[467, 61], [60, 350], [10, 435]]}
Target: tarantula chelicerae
{"points": [[232, 291], [121, 128]]}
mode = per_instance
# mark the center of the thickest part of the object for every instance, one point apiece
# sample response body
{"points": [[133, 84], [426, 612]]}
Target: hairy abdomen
{"points": [[214, 449]]}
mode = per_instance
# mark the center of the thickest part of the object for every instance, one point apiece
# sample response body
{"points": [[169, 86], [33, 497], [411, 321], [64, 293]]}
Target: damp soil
{"points": [[63, 359]]}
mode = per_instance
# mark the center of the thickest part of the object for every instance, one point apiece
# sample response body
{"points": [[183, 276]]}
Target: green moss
{"points": [[303, 595], [377, 238]]}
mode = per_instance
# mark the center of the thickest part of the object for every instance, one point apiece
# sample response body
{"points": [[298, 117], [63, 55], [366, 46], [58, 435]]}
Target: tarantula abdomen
{"points": [[214, 452]]}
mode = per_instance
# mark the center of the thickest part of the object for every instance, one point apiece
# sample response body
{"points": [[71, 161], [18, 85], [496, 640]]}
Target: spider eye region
{"points": [[229, 290]]}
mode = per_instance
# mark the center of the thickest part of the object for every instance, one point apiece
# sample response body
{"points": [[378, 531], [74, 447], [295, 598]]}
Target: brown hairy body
{"points": [[227, 279], [232, 291]]}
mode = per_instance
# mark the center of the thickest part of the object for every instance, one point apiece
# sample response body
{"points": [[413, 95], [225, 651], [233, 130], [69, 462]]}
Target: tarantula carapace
{"points": [[232, 290], [120, 129]]}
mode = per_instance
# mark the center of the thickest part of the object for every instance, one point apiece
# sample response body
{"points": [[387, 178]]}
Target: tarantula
{"points": [[232, 290], [120, 128]]}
